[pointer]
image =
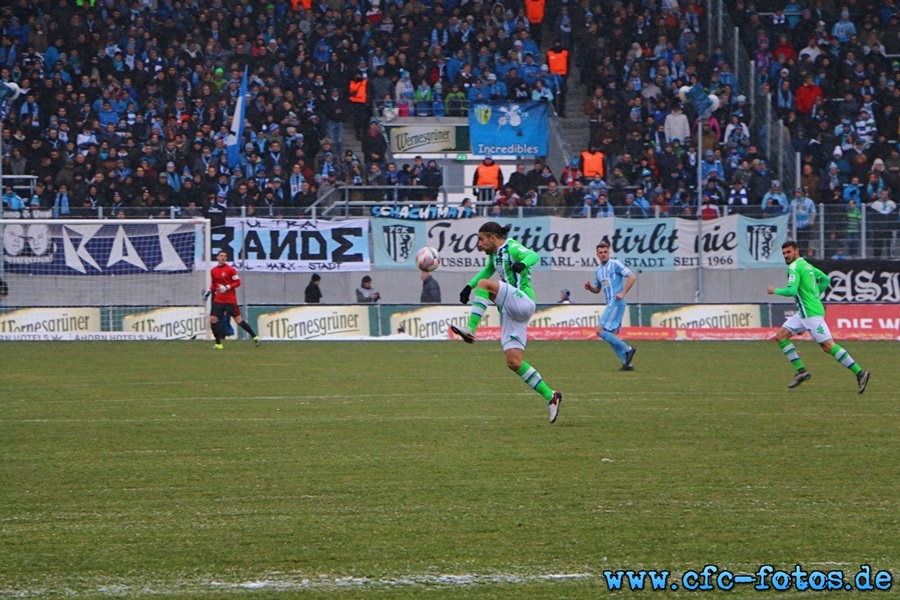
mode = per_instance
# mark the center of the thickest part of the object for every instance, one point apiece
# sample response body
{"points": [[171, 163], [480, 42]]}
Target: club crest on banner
{"points": [[761, 241], [483, 113], [399, 241]]}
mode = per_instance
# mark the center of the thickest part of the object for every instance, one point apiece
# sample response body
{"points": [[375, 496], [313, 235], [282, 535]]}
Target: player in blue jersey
{"points": [[615, 280]]}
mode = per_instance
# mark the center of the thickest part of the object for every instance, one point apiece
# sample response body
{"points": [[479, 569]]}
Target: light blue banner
{"points": [[667, 244], [759, 242], [508, 129], [396, 242]]}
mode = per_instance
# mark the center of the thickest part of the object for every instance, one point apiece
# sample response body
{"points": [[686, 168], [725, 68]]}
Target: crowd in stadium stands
{"points": [[128, 105]]}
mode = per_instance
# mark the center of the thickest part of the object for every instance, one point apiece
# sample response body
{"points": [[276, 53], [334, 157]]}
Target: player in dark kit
{"points": [[225, 280]]}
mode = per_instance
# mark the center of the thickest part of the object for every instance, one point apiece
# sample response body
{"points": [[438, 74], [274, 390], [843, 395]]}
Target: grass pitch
{"points": [[426, 469]]}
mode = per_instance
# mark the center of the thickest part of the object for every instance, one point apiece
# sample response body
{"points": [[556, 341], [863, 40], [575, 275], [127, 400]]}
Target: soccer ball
{"points": [[428, 259]]}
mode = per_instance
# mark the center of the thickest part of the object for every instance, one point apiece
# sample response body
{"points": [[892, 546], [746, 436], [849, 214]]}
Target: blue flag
{"points": [[233, 140], [508, 128]]}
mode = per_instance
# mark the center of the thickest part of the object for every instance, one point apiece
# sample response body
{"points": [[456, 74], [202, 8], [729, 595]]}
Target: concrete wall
{"points": [[396, 287]]}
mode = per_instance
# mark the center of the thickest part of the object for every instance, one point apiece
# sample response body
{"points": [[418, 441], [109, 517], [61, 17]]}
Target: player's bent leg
{"points": [[491, 285], [246, 327], [820, 332], [783, 339]]}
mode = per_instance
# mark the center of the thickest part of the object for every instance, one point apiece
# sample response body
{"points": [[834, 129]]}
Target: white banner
{"points": [[432, 322], [421, 139], [315, 323], [295, 245], [573, 315], [173, 323], [712, 244], [709, 316], [57, 323]]}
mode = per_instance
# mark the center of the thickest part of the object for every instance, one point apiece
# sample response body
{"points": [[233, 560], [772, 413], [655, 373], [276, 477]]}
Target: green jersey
{"points": [[502, 261], [805, 283]]}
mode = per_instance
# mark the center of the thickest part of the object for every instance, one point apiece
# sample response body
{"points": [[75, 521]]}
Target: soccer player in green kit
{"points": [[805, 284], [514, 298]]}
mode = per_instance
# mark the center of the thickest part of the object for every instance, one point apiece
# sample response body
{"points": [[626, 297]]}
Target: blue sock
{"points": [[618, 346]]}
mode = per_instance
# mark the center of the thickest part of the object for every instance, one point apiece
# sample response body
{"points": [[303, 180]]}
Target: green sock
{"points": [[531, 376], [787, 346], [843, 357], [479, 305]]}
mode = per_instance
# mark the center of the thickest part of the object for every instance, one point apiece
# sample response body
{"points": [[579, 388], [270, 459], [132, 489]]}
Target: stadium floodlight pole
{"points": [[698, 297], [705, 104]]}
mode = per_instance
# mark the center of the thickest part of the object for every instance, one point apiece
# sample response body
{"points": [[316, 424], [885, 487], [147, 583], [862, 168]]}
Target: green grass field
{"points": [[406, 470]]}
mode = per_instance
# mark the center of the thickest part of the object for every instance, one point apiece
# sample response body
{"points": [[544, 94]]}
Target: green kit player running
{"points": [[514, 299], [805, 284]]}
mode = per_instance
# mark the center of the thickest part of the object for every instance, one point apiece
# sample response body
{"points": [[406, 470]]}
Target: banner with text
{"points": [[314, 323], [432, 322], [423, 139], [861, 280], [100, 248], [170, 323], [706, 316], [864, 321], [294, 245], [647, 244], [509, 128]]}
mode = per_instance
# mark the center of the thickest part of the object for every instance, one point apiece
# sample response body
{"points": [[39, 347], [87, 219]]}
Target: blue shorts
{"points": [[611, 319]]}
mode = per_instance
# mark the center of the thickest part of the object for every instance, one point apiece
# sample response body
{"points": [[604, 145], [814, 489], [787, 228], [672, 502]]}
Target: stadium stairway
{"points": [[575, 124]]}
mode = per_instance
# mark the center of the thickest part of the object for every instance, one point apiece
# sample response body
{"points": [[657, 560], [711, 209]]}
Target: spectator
{"points": [[313, 293], [335, 110], [604, 208], [677, 126], [808, 94], [374, 145], [431, 291], [853, 191], [803, 211], [519, 179], [775, 202], [597, 109], [884, 225], [552, 197], [12, 201], [708, 210], [593, 162], [432, 178], [365, 294], [632, 210], [854, 227], [710, 164], [488, 178], [760, 181], [738, 201]]}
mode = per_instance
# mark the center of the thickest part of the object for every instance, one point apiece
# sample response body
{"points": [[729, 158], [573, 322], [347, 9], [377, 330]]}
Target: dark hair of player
{"points": [[494, 228]]}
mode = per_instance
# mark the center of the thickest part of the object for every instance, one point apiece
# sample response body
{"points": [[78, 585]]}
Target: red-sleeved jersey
{"points": [[225, 275]]}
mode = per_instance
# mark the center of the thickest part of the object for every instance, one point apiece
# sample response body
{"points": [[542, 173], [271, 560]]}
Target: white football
{"points": [[428, 259]]}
